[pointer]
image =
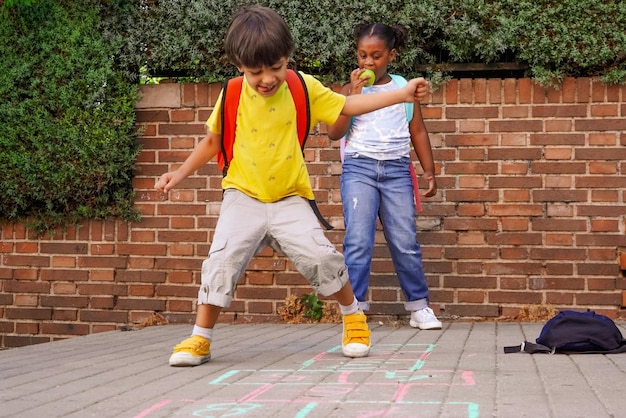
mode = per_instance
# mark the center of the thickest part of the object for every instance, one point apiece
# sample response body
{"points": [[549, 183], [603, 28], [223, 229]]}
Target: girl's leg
{"points": [[397, 214], [360, 197]]}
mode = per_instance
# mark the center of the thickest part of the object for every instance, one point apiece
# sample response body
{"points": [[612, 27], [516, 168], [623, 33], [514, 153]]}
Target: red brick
{"points": [[600, 154], [568, 90], [26, 260], [178, 291], [181, 129], [102, 289], [247, 292], [591, 298], [65, 328], [494, 87], [128, 304], [185, 115], [102, 302], [604, 124], [520, 297], [470, 282], [472, 195], [607, 110], [24, 340], [141, 290], [559, 111], [65, 315], [23, 286], [471, 112], [180, 305], [103, 262], [65, 275], [451, 92], [261, 307], [471, 140], [64, 301], [530, 125], [29, 313], [91, 315], [510, 91]]}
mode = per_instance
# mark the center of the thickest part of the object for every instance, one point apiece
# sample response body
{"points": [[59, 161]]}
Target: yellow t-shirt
{"points": [[267, 159]]}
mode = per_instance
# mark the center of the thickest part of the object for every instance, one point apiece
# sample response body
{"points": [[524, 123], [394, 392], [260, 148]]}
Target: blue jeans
{"points": [[373, 188]]}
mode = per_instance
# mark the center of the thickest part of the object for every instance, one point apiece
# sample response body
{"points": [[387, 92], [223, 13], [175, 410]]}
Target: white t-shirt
{"points": [[382, 134]]}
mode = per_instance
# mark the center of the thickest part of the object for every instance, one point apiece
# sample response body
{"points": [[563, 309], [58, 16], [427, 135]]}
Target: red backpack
{"points": [[231, 95]]}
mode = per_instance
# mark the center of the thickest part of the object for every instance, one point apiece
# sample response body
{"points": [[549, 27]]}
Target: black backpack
{"points": [[571, 332]]}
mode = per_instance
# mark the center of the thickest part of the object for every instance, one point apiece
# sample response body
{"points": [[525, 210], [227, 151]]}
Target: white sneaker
{"points": [[424, 319]]}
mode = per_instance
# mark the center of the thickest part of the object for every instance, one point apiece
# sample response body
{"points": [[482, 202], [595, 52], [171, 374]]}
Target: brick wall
{"points": [[530, 211]]}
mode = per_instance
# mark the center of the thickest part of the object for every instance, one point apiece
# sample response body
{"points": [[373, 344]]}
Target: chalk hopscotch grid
{"points": [[399, 367]]}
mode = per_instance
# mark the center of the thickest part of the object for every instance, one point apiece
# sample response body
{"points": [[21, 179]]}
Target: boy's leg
{"points": [[296, 232], [240, 233], [356, 334], [196, 349], [206, 316]]}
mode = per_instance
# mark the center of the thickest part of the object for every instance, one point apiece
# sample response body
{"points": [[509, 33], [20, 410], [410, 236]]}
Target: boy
{"points": [[267, 184]]}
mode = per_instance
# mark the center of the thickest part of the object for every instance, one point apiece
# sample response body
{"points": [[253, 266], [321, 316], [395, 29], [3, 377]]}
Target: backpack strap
{"points": [[408, 107], [231, 95], [528, 347], [300, 96], [401, 81], [532, 348]]}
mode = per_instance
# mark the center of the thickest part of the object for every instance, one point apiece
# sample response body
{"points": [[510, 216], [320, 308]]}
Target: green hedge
{"points": [[67, 140], [554, 39]]}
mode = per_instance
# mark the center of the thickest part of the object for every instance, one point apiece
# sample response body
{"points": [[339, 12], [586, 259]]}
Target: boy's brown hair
{"points": [[258, 36]]}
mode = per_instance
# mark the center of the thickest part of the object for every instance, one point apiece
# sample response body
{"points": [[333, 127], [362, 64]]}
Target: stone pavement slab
{"points": [[278, 370]]}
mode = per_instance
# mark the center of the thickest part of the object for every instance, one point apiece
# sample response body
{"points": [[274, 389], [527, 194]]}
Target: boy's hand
{"points": [[165, 183], [419, 88]]}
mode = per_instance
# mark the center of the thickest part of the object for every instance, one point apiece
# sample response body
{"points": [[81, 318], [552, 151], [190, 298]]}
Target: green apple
{"points": [[371, 75]]}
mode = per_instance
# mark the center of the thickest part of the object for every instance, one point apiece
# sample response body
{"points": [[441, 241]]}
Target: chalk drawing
{"points": [[153, 408], [326, 383], [231, 409], [305, 411]]}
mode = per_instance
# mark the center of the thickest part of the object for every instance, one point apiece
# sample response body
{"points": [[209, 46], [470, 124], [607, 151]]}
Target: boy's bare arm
{"points": [[341, 125], [203, 152], [416, 90]]}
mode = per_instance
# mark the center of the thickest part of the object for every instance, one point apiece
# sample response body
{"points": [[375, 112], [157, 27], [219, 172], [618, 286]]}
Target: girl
{"points": [[376, 179]]}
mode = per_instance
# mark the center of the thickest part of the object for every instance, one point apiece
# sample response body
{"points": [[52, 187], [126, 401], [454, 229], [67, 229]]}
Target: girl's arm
{"points": [[202, 153], [421, 144]]}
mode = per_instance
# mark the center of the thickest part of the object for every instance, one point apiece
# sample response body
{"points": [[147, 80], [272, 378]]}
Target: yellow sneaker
{"points": [[356, 335], [193, 351]]}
